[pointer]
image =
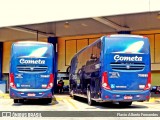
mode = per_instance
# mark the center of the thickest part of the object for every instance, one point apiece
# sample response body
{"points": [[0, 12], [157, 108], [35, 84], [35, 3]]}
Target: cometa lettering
{"points": [[127, 58], [23, 61]]}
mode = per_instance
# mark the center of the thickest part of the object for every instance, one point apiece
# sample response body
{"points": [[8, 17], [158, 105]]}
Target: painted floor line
{"points": [[59, 98], [72, 104]]}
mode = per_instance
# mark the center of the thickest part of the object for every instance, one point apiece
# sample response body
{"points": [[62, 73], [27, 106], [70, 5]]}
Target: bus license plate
{"points": [[30, 94], [127, 97]]}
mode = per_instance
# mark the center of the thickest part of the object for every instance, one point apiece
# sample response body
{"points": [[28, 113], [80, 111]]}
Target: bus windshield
{"points": [[125, 45], [32, 51]]}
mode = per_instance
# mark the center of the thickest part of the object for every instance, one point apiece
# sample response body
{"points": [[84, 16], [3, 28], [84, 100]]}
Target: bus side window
{"points": [[93, 57]]}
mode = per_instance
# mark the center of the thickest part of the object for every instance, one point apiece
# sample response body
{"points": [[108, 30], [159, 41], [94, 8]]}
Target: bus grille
{"points": [[127, 66], [32, 69]]}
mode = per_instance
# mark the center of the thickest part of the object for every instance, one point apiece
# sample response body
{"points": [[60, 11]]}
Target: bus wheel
{"points": [[49, 100], [90, 102], [15, 101], [71, 94], [20, 101], [125, 104], [46, 100]]}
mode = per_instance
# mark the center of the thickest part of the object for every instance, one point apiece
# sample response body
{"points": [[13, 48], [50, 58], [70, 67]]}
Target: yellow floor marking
{"points": [[154, 99], [59, 98], [6, 96], [72, 104]]}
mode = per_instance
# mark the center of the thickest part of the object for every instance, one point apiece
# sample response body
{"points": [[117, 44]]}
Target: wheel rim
{"points": [[71, 93], [89, 97]]}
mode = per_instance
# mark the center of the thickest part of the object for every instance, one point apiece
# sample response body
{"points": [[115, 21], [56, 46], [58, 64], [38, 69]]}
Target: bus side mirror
{"points": [[68, 69]]}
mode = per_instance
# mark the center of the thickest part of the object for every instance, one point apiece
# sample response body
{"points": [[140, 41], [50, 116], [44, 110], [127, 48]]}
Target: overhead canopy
{"points": [[20, 12]]}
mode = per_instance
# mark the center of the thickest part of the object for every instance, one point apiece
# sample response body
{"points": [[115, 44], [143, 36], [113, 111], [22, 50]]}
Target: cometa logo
{"points": [[126, 58], [23, 61]]}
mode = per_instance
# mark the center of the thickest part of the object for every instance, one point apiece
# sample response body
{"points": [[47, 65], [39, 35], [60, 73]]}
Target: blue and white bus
{"points": [[31, 71], [115, 68]]}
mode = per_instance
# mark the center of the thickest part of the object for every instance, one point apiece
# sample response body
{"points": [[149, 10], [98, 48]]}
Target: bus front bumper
{"points": [[30, 93], [117, 96]]}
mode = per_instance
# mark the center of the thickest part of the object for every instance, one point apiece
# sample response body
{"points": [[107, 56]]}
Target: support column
{"points": [[54, 41], [124, 32]]}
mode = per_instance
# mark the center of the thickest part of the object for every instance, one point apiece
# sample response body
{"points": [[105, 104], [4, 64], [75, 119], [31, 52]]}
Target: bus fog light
{"points": [[117, 95], [104, 84], [50, 95], [44, 85], [149, 85], [51, 84], [138, 96], [12, 94], [11, 84], [106, 96], [147, 97]]}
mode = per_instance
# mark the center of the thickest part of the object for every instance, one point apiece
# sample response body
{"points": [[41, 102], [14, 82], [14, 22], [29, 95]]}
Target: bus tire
{"points": [[46, 100], [16, 101], [71, 93], [20, 101], [125, 104], [90, 101], [49, 100]]}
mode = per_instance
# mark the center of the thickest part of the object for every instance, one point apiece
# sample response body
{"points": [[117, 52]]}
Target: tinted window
{"points": [[127, 45], [33, 51]]}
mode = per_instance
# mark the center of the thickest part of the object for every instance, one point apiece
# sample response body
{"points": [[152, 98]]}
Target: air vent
{"points": [[127, 66], [33, 69]]}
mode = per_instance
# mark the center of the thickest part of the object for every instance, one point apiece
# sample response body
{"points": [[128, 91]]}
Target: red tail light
{"points": [[105, 83], [11, 80], [148, 84], [51, 79]]}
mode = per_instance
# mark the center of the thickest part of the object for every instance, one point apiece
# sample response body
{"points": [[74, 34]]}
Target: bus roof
{"points": [[111, 36], [30, 42], [125, 35]]}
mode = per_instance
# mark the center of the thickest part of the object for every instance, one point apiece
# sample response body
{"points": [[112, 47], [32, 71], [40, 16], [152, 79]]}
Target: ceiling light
{"points": [[84, 25], [158, 15], [66, 24]]}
